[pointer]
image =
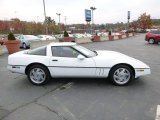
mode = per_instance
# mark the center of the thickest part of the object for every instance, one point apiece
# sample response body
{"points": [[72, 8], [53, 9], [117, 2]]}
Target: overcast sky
{"points": [[108, 11]]}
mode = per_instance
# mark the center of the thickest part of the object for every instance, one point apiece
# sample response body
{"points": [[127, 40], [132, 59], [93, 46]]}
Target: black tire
{"points": [[41, 75], [151, 41], [121, 75]]}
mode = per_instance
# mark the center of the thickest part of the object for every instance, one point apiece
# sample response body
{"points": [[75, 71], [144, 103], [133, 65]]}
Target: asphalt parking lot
{"points": [[85, 99]]}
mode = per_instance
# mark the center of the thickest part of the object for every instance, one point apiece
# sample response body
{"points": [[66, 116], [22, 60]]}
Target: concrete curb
{"points": [[83, 40], [3, 50], [106, 38], [35, 44]]}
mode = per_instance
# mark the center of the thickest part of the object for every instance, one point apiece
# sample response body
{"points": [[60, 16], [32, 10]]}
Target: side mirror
{"points": [[80, 57]]}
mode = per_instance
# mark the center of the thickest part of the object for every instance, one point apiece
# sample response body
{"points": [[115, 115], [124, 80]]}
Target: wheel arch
{"points": [[130, 66], [30, 65], [151, 38]]}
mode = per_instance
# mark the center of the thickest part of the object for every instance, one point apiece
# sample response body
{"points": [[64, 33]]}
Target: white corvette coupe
{"points": [[72, 60]]}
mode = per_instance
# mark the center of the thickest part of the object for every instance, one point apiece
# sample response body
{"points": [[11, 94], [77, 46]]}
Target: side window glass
{"points": [[56, 51], [156, 32], [38, 51], [22, 37], [64, 52]]}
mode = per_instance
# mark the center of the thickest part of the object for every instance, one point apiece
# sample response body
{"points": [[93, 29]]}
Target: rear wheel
{"points": [[121, 75], [151, 41], [24, 46], [38, 75]]}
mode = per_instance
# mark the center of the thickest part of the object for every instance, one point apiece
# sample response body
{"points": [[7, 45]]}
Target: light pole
{"points": [[59, 14], [45, 17], [65, 18], [128, 17], [92, 8]]}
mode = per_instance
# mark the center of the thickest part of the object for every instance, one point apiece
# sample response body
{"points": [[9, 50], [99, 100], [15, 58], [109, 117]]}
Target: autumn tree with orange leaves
{"points": [[144, 21]]}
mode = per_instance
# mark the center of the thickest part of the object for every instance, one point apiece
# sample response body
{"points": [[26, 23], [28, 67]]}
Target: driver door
{"points": [[68, 62]]}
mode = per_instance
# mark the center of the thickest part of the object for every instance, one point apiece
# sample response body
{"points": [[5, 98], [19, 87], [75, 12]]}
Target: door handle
{"points": [[54, 60]]}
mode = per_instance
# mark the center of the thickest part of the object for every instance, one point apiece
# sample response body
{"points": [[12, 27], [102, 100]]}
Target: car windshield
{"points": [[155, 32], [85, 51]]}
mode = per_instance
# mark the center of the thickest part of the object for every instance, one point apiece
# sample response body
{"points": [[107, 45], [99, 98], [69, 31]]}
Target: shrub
{"points": [[11, 36], [66, 34]]}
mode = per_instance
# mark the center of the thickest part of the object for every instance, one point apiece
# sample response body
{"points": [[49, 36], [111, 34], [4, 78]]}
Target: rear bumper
{"points": [[16, 69]]}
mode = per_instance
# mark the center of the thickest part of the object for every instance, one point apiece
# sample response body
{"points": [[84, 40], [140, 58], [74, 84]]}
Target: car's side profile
{"points": [[46, 37], [2, 42], [72, 60], [26, 40], [153, 37]]}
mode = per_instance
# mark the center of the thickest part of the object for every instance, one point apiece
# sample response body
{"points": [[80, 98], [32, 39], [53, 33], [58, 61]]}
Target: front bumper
{"points": [[142, 71]]}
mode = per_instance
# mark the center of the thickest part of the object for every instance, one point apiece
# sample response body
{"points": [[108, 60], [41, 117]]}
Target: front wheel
{"points": [[121, 75], [151, 41], [38, 75]]}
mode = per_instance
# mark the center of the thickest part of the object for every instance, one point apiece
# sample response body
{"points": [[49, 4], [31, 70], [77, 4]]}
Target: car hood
{"points": [[111, 58], [112, 54]]}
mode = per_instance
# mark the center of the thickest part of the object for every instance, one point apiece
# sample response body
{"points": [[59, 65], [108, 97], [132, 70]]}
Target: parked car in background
{"points": [[2, 41], [71, 60], [59, 37], [116, 33], [78, 35], [46, 37], [87, 35], [26, 40], [153, 37]]}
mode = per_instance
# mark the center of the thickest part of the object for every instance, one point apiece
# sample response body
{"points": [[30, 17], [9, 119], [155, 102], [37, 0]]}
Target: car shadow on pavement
{"points": [[94, 82]]}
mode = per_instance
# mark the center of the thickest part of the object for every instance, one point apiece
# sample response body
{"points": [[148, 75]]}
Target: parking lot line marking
{"points": [[158, 113]]}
